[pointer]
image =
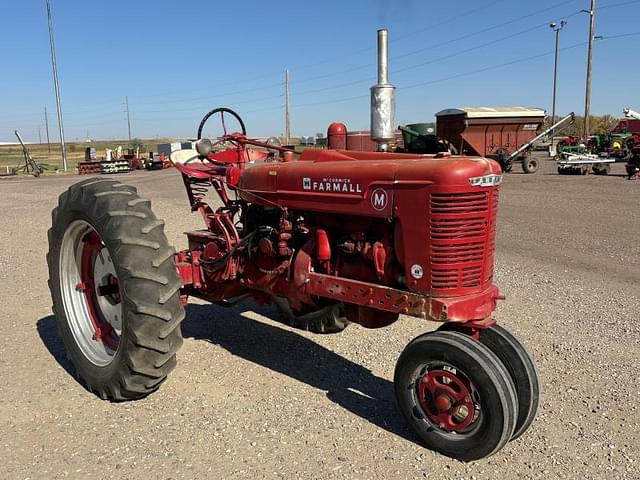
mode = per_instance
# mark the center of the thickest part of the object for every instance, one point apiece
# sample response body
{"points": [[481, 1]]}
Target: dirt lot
{"points": [[251, 398]]}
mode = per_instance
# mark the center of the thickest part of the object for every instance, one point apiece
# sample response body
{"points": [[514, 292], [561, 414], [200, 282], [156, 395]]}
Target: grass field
{"points": [[51, 160]]}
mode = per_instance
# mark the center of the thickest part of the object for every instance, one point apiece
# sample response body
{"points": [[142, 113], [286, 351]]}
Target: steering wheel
{"points": [[221, 111]]}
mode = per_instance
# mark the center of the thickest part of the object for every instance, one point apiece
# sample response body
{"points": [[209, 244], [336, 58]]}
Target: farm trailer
{"points": [[492, 132]]}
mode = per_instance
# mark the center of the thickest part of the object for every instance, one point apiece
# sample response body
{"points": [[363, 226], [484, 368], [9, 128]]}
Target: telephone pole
{"points": [[39, 135], [126, 104], [57, 89], [287, 114], [556, 28], [587, 99], [46, 126]]}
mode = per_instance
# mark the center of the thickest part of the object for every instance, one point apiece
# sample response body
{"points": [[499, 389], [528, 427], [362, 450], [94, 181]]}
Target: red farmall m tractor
{"points": [[331, 237]]}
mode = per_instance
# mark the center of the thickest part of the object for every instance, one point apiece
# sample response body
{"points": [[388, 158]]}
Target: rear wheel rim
{"points": [[90, 293]]}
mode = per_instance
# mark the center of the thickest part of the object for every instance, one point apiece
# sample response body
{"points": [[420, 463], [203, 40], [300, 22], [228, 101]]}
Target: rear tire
{"points": [[141, 349], [456, 395], [328, 319]]}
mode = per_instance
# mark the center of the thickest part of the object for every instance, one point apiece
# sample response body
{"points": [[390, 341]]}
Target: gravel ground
{"points": [[251, 398]]}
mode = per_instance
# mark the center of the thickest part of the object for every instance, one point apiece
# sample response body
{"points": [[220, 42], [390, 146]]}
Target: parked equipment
{"points": [[115, 166], [582, 163], [628, 113], [88, 168], [530, 164], [496, 133], [421, 138], [30, 165], [578, 156], [334, 237], [633, 144], [154, 162]]}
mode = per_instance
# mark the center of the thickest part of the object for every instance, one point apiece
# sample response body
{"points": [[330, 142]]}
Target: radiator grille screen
{"points": [[462, 239]]}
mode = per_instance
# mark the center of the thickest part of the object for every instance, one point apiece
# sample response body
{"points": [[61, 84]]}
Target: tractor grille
{"points": [[462, 239]]}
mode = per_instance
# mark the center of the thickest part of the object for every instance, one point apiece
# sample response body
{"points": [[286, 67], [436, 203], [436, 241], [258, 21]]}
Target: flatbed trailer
{"points": [[581, 164]]}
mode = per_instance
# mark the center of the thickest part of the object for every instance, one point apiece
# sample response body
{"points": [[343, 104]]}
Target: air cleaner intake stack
{"points": [[383, 101]]}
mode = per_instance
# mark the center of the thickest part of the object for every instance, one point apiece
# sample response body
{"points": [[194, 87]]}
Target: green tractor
{"points": [[571, 144]]}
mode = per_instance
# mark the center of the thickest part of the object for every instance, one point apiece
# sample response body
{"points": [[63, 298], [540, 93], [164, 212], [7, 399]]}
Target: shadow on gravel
{"points": [[48, 331], [348, 384]]}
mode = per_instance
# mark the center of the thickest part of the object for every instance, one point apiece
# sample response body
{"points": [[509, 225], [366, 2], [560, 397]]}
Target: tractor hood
{"points": [[359, 183]]}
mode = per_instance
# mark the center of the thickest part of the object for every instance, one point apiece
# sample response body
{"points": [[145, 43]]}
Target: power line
{"points": [[369, 48], [619, 4], [410, 67], [360, 67], [75, 113], [622, 35], [316, 63], [354, 82], [471, 72], [491, 67], [351, 69], [477, 47], [439, 80], [453, 19], [208, 97], [447, 42], [115, 116], [443, 57], [200, 107], [487, 29], [429, 82]]}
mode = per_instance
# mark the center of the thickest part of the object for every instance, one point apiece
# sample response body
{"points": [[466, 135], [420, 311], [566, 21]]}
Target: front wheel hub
{"points": [[446, 398]]}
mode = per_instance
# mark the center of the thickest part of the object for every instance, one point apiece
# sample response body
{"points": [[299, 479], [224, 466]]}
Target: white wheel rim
{"points": [[99, 349]]}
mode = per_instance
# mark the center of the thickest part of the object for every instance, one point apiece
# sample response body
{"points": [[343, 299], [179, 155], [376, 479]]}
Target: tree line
{"points": [[598, 125]]}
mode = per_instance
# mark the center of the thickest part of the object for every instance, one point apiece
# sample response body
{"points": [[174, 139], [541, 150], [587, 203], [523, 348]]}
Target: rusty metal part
{"points": [[466, 308]]}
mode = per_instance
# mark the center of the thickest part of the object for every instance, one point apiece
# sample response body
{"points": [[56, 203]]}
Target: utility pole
{"points": [[556, 28], [587, 99], [126, 104], [287, 114], [46, 126], [57, 89], [39, 135]]}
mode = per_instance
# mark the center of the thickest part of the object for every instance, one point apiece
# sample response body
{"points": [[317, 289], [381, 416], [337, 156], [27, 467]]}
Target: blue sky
{"points": [[176, 60]]}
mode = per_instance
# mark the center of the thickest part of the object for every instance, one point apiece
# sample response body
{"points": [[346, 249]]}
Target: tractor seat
{"points": [[190, 164]]}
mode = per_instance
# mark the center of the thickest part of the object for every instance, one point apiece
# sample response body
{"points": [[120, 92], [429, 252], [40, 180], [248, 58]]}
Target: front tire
{"points": [[514, 356], [529, 165], [115, 289], [456, 395]]}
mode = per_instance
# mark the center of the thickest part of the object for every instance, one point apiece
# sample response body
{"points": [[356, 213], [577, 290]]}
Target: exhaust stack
{"points": [[383, 101]]}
